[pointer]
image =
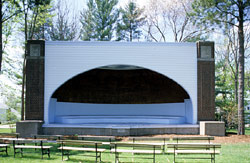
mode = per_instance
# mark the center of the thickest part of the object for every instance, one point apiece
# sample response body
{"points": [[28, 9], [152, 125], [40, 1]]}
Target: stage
{"points": [[120, 125], [108, 129], [117, 88]]}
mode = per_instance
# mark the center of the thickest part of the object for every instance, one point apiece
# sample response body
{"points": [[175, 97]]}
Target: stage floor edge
{"points": [[120, 129]]}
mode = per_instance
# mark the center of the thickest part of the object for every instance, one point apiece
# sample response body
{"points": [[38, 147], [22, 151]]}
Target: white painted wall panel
{"points": [[64, 60], [171, 109]]}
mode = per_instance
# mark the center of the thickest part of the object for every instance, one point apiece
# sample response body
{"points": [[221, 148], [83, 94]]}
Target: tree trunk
{"points": [[130, 33], [241, 124], [1, 37], [24, 61], [236, 83]]}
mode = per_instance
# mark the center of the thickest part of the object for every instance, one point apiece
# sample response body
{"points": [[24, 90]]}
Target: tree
{"points": [[129, 26], [87, 21], [98, 21], [9, 9], [62, 28], [226, 107], [234, 13], [167, 19]]}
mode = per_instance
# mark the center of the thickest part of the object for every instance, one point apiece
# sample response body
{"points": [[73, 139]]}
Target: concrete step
{"points": [[120, 119]]}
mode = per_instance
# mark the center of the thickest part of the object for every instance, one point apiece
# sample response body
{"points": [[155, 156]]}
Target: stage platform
{"points": [[120, 125]]}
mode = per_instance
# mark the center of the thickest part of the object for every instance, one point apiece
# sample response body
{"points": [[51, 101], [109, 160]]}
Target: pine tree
{"points": [[99, 20], [87, 21], [129, 26]]}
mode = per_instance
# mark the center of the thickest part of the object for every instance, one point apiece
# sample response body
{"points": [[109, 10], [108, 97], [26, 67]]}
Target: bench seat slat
{"points": [[191, 145], [4, 145], [32, 146], [82, 149], [193, 152], [136, 151], [194, 138]]}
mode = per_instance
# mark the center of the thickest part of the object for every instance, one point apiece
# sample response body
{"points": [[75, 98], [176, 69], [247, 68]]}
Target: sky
{"points": [[79, 3]]}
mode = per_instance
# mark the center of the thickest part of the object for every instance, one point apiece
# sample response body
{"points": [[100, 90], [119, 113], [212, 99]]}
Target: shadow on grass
{"points": [[36, 157], [234, 131], [84, 160]]}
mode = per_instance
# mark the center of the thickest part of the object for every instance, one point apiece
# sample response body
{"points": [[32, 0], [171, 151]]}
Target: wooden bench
{"points": [[19, 145], [193, 138], [97, 138], [193, 149], [9, 135], [164, 140], [4, 148], [136, 148], [108, 139], [49, 138], [78, 145]]}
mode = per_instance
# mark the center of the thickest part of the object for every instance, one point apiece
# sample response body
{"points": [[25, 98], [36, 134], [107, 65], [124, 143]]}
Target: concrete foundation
{"points": [[123, 130], [212, 128], [29, 127]]}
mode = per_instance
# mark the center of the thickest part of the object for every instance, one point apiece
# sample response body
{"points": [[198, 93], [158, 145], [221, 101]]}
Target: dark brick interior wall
{"points": [[206, 85], [121, 87], [34, 99]]}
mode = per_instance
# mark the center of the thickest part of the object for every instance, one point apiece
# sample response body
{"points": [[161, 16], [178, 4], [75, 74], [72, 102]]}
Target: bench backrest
{"points": [[97, 138], [48, 137], [189, 146], [9, 135], [160, 139], [36, 142], [142, 146], [79, 143], [193, 138]]}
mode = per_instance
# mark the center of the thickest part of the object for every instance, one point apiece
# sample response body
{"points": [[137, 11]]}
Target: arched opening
{"points": [[120, 94]]}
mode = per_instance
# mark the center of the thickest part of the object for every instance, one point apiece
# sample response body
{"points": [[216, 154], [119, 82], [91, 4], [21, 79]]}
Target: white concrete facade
{"points": [[64, 60]]}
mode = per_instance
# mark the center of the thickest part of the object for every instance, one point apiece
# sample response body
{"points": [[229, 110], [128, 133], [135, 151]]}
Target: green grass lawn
{"points": [[7, 130], [230, 153]]}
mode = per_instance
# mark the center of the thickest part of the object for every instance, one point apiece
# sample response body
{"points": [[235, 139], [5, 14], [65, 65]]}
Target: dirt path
{"points": [[230, 139]]}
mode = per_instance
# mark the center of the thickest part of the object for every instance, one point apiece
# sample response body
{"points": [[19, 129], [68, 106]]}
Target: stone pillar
{"points": [[29, 127], [34, 97], [206, 81], [212, 128]]}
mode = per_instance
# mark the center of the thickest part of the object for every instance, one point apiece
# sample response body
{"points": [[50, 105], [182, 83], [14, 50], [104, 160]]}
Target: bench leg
{"points": [[96, 156], [62, 154], [45, 151], [22, 152], [42, 152], [6, 150], [49, 153], [116, 157], [14, 152], [100, 157], [213, 158], [68, 154]]}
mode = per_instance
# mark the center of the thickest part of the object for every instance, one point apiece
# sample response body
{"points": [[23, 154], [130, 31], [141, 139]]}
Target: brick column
{"points": [[206, 81], [34, 104]]}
